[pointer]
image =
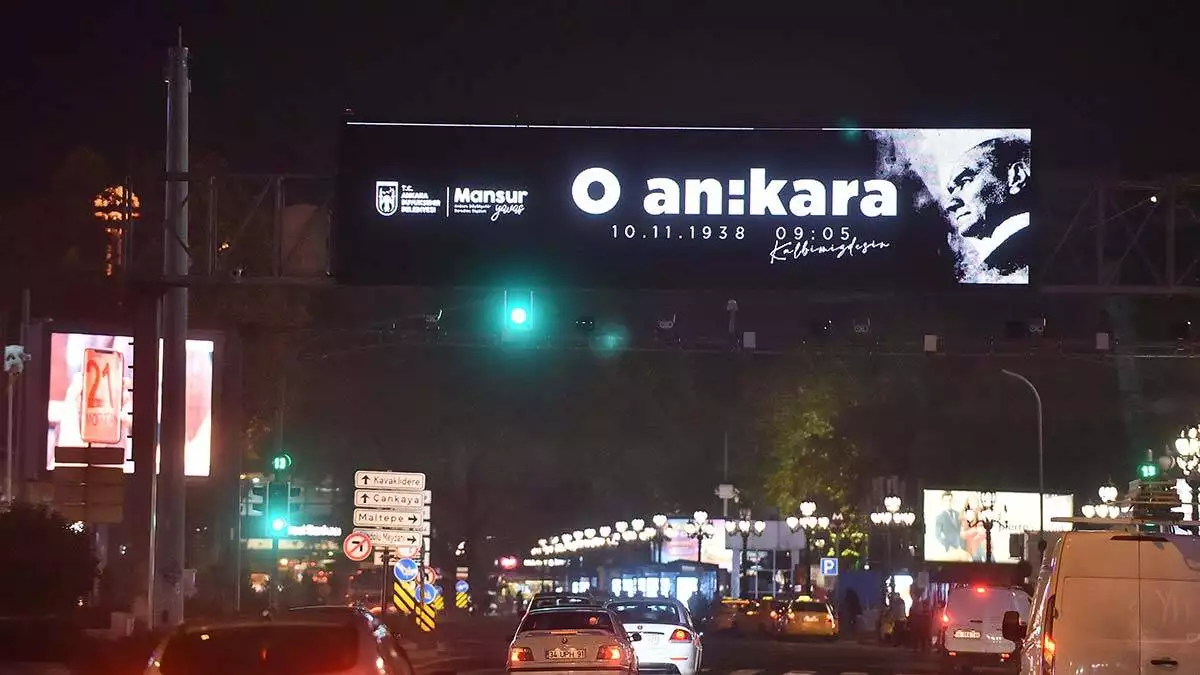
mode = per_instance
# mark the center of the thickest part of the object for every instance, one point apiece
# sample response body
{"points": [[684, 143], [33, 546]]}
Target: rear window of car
{"points": [[567, 621], [647, 612], [263, 650], [808, 606], [543, 603]]}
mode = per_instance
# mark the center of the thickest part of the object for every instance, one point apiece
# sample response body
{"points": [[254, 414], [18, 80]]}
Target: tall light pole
{"points": [[1041, 462], [699, 528], [743, 526]]}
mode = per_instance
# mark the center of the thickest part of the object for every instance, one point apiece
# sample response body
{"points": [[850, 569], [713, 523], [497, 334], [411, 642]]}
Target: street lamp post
{"points": [[744, 526], [700, 528], [987, 516], [890, 517], [1187, 447], [1041, 462]]}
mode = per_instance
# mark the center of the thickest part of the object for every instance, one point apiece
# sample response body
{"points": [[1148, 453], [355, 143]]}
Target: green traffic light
{"points": [[281, 462], [1147, 471], [518, 316], [279, 524]]}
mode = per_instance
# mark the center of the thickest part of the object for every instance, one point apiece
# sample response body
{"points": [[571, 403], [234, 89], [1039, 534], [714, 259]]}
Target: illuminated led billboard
{"points": [[954, 530], [696, 208], [90, 397]]}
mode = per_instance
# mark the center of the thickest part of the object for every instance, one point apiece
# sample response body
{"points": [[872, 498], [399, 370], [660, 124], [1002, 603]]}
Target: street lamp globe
{"points": [[1108, 493], [807, 508], [621, 526], [730, 526], [577, 534], [605, 531], [759, 527], [637, 524], [793, 523], [1089, 510], [590, 533], [701, 517], [659, 520], [891, 503], [823, 523], [743, 526], [629, 535], [668, 532]]}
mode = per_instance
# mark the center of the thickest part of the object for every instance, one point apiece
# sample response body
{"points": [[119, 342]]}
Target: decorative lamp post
{"points": [[1187, 449], [892, 517], [745, 528], [988, 516], [700, 528]]}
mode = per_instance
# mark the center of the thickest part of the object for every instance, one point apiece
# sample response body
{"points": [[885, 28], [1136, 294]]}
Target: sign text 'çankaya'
{"points": [[629, 207]]}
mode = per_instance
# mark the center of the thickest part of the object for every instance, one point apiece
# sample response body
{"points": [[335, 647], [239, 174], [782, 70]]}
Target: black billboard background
{"points": [[553, 243]]}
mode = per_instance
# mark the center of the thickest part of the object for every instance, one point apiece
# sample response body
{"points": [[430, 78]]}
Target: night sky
{"points": [[1104, 84]]}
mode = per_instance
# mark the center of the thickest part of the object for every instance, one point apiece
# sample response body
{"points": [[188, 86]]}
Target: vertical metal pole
{"points": [[1101, 226], [213, 243], [277, 239], [141, 522], [385, 578], [237, 542], [175, 330], [8, 446], [1041, 461]]}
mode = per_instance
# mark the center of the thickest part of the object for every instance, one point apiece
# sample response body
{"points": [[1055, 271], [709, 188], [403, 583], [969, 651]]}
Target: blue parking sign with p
{"points": [[462, 586], [829, 567]]}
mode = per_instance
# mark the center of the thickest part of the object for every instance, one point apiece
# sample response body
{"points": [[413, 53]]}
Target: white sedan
{"points": [[669, 642]]}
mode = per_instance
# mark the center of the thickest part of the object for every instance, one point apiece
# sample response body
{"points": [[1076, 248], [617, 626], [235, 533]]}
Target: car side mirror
{"points": [[635, 637], [1012, 629]]}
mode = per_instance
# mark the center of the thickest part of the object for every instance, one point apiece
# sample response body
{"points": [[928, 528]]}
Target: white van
{"points": [[972, 625], [1114, 603]]}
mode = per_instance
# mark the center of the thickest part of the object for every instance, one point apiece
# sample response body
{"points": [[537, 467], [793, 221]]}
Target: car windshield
{"points": [[263, 650], [808, 606], [647, 612], [577, 620]]}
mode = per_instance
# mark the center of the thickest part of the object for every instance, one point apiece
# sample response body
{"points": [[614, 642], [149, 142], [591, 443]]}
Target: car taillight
{"points": [[774, 614], [680, 635], [610, 653], [520, 654], [945, 618], [1048, 645]]}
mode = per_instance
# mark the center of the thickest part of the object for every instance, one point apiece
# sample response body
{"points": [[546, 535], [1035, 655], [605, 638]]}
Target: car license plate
{"points": [[566, 654], [653, 640], [967, 634]]}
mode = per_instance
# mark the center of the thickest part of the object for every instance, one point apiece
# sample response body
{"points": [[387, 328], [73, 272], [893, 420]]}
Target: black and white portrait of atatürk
{"points": [[981, 181]]}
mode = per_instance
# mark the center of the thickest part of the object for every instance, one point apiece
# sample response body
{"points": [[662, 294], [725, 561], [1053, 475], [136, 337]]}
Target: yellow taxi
{"points": [[806, 617], [759, 617], [725, 613]]}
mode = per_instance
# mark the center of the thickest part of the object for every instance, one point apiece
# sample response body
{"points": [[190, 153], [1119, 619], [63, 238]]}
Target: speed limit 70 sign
{"points": [[357, 546]]}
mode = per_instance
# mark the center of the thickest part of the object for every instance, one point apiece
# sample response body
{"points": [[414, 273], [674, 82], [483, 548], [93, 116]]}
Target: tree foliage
{"points": [[49, 565], [809, 455]]}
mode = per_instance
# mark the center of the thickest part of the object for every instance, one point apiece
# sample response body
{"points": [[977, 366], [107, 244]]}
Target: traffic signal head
{"points": [[281, 462], [278, 508], [1147, 470], [518, 310]]}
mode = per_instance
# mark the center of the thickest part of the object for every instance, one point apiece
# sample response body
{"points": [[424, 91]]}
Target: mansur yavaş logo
{"points": [[490, 202], [597, 191]]}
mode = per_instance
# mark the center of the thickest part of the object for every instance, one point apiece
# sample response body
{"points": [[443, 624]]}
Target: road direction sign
{"points": [[393, 538], [393, 499], [406, 569], [389, 480], [461, 586], [829, 567], [391, 520], [357, 546]]}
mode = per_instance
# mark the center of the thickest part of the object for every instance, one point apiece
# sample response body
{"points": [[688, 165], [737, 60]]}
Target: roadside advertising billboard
{"points": [[91, 401], [688, 208], [951, 537]]}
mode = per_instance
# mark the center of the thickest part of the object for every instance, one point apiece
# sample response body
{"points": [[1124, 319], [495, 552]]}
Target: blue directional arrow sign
{"points": [[461, 586], [428, 593], [405, 569], [829, 567]]}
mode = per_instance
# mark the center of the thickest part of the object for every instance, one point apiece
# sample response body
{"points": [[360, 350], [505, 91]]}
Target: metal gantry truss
{"points": [[1123, 237]]}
